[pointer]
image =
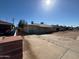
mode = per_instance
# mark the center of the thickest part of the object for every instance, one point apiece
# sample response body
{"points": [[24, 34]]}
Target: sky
{"points": [[62, 12]]}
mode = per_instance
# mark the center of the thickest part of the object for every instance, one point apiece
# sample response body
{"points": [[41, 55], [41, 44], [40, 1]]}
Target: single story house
{"points": [[38, 29]]}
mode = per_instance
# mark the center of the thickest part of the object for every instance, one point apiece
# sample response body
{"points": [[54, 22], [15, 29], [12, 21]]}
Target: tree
{"points": [[32, 22], [22, 23], [21, 26], [42, 22]]}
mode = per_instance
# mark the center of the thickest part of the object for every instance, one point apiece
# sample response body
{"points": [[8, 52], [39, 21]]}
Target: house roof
{"points": [[5, 23], [41, 25]]}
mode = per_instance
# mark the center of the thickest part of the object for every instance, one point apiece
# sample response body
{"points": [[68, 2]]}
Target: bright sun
{"points": [[48, 4]]}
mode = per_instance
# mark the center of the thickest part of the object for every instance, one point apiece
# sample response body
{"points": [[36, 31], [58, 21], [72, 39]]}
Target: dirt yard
{"points": [[61, 45]]}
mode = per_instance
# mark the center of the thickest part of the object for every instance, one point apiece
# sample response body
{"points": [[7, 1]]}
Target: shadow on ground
{"points": [[27, 47]]}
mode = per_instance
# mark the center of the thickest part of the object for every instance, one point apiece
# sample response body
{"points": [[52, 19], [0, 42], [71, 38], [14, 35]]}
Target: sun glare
{"points": [[48, 4]]}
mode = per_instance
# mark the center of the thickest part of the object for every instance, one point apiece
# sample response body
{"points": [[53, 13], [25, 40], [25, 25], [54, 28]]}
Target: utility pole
{"points": [[13, 20]]}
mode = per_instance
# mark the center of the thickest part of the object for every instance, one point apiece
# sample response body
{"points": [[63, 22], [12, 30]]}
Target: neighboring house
{"points": [[38, 29], [5, 27]]}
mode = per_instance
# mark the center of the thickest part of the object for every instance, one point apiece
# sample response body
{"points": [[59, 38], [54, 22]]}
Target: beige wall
{"points": [[37, 29]]}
